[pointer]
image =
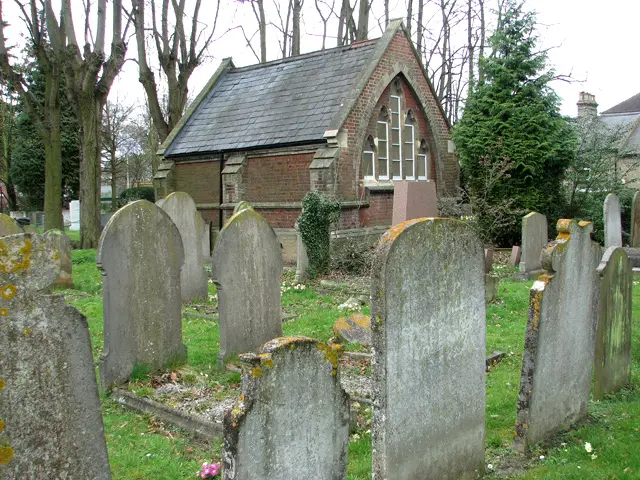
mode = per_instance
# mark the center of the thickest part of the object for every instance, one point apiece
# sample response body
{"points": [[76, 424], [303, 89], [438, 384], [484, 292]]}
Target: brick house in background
{"points": [[349, 121]]}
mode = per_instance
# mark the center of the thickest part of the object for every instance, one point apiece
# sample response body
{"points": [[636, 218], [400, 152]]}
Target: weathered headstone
{"points": [[635, 221], [534, 239], [74, 215], [50, 417], [247, 264], [8, 226], [488, 259], [560, 337], [413, 200], [612, 366], [516, 255], [31, 229], [428, 322], [206, 240], [612, 222], [302, 259], [491, 287], [140, 255], [292, 420], [354, 329], [62, 244], [193, 277]]}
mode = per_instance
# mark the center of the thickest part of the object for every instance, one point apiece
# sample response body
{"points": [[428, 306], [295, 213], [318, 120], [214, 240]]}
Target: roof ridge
{"points": [[279, 61]]}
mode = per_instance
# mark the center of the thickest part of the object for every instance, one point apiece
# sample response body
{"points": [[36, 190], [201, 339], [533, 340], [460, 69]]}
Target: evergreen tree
{"points": [[512, 125]]}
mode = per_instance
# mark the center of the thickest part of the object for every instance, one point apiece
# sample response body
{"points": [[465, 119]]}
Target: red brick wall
{"points": [[282, 178], [380, 211], [200, 180]]}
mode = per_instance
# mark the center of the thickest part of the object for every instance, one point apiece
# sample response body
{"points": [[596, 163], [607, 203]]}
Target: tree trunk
{"points": [[363, 20], [263, 32], [50, 134], [419, 27], [409, 15], [342, 21], [114, 181], [295, 40], [90, 110]]}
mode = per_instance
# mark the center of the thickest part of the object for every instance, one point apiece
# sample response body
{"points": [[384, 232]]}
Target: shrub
{"points": [[135, 193], [352, 255], [318, 213]]}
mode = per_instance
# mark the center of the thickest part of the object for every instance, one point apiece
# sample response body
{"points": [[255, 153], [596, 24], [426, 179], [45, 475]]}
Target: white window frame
{"points": [[386, 156], [411, 151], [425, 158], [372, 155], [395, 99]]}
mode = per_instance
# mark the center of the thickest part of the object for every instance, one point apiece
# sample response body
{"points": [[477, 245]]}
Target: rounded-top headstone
{"points": [[635, 221], [534, 239], [140, 254], [182, 210], [612, 221]]}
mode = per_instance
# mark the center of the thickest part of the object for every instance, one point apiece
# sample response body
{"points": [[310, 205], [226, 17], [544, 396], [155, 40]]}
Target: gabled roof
{"points": [[630, 105], [284, 102]]}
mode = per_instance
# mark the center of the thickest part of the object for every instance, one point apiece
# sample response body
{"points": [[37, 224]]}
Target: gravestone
{"points": [[140, 255], [302, 259], [74, 215], [635, 221], [206, 240], [193, 277], [247, 264], [8, 226], [612, 222], [488, 259], [354, 329], [292, 420], [62, 244], [612, 366], [428, 322], [413, 200], [560, 336], [534, 239], [516, 255], [50, 417]]}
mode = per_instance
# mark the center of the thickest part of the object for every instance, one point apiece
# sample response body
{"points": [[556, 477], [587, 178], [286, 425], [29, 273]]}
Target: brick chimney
{"points": [[587, 106]]}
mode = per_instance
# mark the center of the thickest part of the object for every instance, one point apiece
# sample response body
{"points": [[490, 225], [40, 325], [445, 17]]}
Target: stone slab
{"points": [[488, 259], [612, 366], [354, 329], [534, 238], [50, 417], [193, 277], [635, 221], [428, 322], [612, 221], [63, 244], [292, 420], [8, 226], [413, 200], [247, 264], [560, 337], [516, 255], [491, 283], [140, 255]]}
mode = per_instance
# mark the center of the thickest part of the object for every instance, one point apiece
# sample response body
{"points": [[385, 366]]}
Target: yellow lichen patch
{"points": [[564, 236], [332, 354], [391, 234], [584, 223], [2, 384], [256, 372], [546, 278], [4, 312], [6, 454], [14, 259], [241, 398], [564, 225], [8, 291], [266, 360], [536, 305], [26, 331], [2, 425]]}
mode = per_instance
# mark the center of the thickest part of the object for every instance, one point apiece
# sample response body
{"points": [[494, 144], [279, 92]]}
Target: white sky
{"points": [[596, 43]]}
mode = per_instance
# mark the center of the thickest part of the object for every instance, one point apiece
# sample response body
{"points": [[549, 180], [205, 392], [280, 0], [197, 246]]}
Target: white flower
{"points": [[594, 456], [490, 467], [541, 457], [588, 447]]}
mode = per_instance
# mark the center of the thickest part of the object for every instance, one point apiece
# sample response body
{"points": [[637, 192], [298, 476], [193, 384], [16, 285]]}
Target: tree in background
{"points": [[512, 116], [8, 104]]}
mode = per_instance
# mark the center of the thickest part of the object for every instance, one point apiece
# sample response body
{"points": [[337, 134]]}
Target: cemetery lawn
{"points": [[141, 447]]}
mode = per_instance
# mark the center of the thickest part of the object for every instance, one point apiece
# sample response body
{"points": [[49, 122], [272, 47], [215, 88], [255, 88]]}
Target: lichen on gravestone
{"points": [[46, 372], [8, 226]]}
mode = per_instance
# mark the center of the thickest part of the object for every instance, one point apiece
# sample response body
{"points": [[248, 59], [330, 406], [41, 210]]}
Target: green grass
{"points": [[612, 428]]}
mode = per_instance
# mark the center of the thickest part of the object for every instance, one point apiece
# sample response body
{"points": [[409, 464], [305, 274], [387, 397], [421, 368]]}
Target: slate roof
{"points": [[630, 105], [288, 101]]}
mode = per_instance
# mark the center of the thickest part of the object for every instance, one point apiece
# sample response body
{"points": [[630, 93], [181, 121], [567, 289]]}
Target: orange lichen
{"points": [[563, 225], [584, 223], [8, 291], [6, 454], [4, 312], [2, 384], [2, 425], [266, 360], [332, 354], [391, 234], [12, 261]]}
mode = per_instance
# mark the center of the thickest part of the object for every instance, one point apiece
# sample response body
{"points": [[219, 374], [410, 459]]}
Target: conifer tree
{"points": [[511, 124]]}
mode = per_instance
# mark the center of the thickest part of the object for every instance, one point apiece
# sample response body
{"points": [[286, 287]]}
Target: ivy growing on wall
{"points": [[318, 213]]}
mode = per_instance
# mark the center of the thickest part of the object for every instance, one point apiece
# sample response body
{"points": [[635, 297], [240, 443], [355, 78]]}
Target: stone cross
{"points": [[140, 255], [612, 222], [292, 419], [428, 322], [612, 366], [247, 264], [560, 336], [534, 239], [50, 417], [193, 277]]}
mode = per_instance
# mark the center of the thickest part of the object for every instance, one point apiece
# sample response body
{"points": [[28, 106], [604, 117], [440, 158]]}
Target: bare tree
{"points": [[45, 112], [295, 31], [90, 75], [178, 51], [325, 17]]}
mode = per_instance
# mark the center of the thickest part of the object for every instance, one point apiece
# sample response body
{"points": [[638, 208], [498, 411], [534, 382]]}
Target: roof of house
{"points": [[287, 101], [630, 105]]}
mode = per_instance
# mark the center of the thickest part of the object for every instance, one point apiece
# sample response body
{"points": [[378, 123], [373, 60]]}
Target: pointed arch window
{"points": [[408, 147], [422, 161], [383, 144], [396, 136], [369, 159]]}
